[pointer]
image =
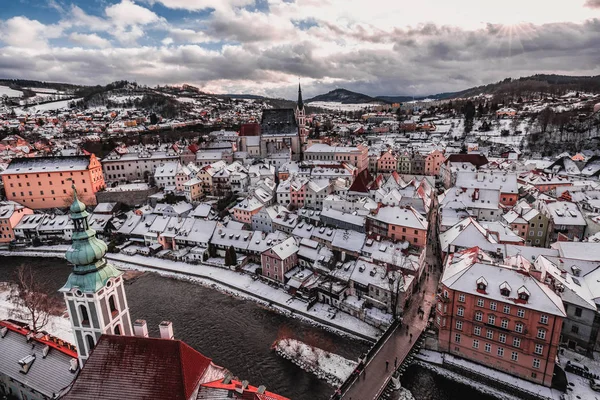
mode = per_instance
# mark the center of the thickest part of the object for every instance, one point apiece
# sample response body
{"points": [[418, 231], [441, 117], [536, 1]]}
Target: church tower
{"points": [[94, 291], [301, 117]]}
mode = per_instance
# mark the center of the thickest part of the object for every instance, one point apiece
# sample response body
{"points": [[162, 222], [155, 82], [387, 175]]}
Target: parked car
{"points": [[577, 368], [595, 384]]}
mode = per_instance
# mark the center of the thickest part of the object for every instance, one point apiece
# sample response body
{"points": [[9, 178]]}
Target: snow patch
{"points": [[328, 366]]}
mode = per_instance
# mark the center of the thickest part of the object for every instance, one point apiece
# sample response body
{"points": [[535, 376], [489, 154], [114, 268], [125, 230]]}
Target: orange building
{"points": [[45, 182], [498, 316], [433, 161], [10, 215], [403, 224]]}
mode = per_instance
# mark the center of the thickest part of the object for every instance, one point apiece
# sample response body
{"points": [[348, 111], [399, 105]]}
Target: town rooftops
{"points": [[46, 165], [401, 216], [476, 159], [286, 248], [50, 371], [465, 274], [139, 368]]}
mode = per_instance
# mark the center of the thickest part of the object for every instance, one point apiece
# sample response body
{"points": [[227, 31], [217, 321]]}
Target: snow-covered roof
{"points": [[348, 240], [401, 216], [286, 248]]}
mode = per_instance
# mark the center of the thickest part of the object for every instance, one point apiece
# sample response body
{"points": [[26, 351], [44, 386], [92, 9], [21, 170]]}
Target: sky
{"points": [[265, 47]]}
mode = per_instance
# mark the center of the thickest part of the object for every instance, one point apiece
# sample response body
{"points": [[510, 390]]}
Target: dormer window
{"points": [[26, 363], [523, 294], [505, 289], [482, 284]]}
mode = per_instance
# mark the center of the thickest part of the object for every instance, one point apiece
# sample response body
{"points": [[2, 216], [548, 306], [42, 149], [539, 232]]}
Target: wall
{"points": [[130, 198]]}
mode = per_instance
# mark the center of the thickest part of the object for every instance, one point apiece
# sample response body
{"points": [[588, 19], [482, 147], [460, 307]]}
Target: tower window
{"points": [[113, 306], [117, 330], [90, 342], [85, 319]]}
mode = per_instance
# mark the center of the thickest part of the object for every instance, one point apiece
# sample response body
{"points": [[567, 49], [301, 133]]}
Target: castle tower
{"points": [[94, 291], [301, 117]]}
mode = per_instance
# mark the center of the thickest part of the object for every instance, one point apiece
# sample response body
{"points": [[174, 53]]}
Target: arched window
{"points": [[85, 319], [117, 330], [90, 342], [112, 305]]}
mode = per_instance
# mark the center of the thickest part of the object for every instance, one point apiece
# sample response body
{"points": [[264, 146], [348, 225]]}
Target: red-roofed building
{"points": [[131, 367]]}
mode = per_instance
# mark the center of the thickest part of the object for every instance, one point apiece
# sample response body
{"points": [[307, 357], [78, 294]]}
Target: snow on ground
{"points": [[57, 326], [55, 105], [337, 106], [5, 90], [43, 90], [328, 366], [122, 99], [579, 387]]}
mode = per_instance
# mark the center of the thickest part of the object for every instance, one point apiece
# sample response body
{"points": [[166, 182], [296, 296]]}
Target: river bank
{"points": [[234, 283]]}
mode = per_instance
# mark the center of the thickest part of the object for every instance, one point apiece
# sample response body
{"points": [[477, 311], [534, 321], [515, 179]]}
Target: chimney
{"points": [[166, 330], [140, 328]]}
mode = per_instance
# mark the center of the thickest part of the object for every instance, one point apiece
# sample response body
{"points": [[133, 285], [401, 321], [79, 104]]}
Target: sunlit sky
{"points": [[265, 46]]}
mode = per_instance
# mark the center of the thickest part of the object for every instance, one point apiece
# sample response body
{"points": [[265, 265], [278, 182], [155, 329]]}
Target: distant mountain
{"points": [[402, 99], [345, 97]]}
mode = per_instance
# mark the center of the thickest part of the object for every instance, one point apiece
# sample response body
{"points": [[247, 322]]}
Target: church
{"points": [[280, 136]]}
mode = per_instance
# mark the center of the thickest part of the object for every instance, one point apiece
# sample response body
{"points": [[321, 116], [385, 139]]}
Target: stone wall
{"points": [[129, 197]]}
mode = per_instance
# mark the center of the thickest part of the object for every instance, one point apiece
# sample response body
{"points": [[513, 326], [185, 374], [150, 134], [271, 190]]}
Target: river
{"points": [[237, 334]]}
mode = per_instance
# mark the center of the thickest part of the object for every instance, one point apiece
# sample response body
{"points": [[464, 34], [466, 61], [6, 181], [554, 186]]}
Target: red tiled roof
{"points": [[361, 182], [139, 368]]}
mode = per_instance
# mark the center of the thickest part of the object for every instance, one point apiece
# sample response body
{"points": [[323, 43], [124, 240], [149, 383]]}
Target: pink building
{"points": [[357, 156], [10, 215], [45, 182], [387, 163], [279, 259], [433, 161], [245, 209], [402, 224], [498, 316]]}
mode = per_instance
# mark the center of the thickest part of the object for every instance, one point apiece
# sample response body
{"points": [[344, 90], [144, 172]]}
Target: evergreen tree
{"points": [[230, 256]]}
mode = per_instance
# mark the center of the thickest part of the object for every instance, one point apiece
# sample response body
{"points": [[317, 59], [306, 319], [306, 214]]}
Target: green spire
{"points": [[90, 269]]}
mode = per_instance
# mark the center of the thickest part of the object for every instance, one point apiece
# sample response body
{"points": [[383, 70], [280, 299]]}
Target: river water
{"points": [[237, 334]]}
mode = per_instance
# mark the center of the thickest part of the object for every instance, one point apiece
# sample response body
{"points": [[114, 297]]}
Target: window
{"points": [[575, 329], [457, 338], [117, 330], [85, 319], [539, 349], [514, 356], [491, 319], [461, 298], [460, 312], [480, 302], [502, 338], [489, 334], [475, 344], [521, 313], [90, 342], [112, 305], [506, 310], [493, 305], [488, 348], [459, 325], [541, 334], [504, 324], [578, 312], [519, 327], [544, 319], [536, 363], [516, 342], [500, 352], [478, 316]]}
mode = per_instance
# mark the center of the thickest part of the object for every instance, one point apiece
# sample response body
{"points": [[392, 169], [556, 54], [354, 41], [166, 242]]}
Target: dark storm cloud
{"points": [[592, 3]]}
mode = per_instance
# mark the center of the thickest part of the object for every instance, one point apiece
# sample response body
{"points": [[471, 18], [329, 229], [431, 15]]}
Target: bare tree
{"points": [[32, 299]]}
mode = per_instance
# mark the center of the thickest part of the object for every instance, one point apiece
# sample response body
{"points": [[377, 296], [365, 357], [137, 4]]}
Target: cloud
{"points": [[187, 36], [27, 33], [91, 40], [127, 13], [592, 3], [196, 5]]}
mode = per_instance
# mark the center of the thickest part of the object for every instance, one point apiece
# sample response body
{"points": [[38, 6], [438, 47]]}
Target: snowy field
{"points": [[328, 366], [57, 326], [336, 106], [43, 90], [122, 99], [5, 90], [56, 105]]}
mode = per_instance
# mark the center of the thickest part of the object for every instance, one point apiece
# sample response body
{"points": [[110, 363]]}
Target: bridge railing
{"points": [[343, 388]]}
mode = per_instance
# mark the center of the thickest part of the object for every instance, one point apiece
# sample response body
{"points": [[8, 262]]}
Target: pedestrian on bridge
{"points": [[396, 363], [410, 338], [387, 363]]}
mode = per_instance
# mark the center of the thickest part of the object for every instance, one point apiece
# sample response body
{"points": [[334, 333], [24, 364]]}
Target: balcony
{"points": [[442, 298]]}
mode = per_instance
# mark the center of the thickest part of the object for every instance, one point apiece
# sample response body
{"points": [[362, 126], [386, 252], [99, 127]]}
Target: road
{"points": [[375, 376]]}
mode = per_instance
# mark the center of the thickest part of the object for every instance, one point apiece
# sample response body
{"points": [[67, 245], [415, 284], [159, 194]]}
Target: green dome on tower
{"points": [[90, 269]]}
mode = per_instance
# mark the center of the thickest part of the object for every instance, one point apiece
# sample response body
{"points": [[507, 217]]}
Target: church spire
{"points": [[300, 102]]}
